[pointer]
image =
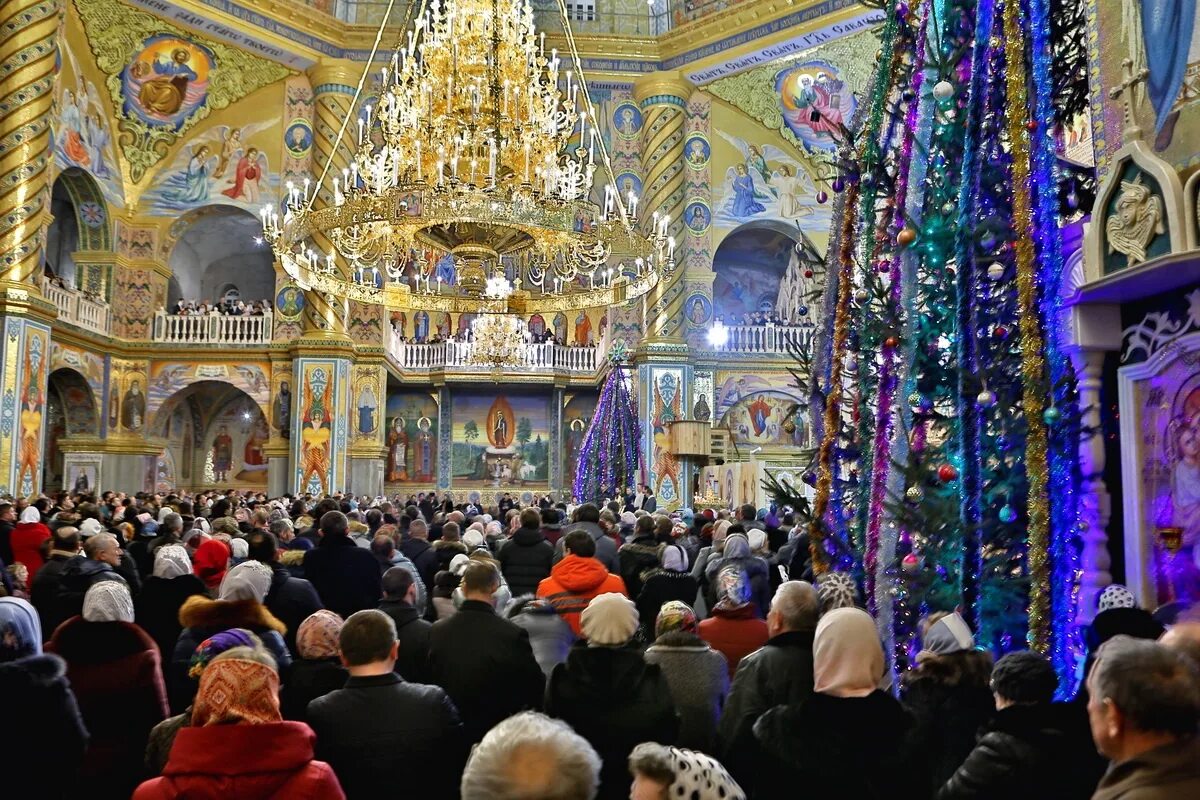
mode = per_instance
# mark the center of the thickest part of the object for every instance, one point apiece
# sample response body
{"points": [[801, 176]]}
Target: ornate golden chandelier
{"points": [[484, 146]]}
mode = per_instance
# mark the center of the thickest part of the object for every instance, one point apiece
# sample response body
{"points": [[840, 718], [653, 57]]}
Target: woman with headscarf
{"points": [[210, 563], [738, 553], [734, 629], [948, 693], [26, 540], [849, 738], [697, 674], [163, 594], [40, 705], [318, 669], [238, 744], [115, 671], [239, 604], [670, 581]]}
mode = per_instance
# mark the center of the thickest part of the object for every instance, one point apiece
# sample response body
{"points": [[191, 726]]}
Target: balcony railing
{"points": [[211, 329], [76, 309], [766, 339], [457, 355]]}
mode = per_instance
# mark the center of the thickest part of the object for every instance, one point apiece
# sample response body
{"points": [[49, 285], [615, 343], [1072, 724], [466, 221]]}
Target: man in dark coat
{"points": [[98, 561], [416, 548], [381, 728], [526, 558], [345, 575], [45, 592], [778, 673], [290, 599], [587, 518], [484, 662], [399, 603], [638, 555]]}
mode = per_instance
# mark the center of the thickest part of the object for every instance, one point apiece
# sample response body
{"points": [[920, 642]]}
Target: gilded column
{"points": [[28, 52], [333, 82], [662, 99]]}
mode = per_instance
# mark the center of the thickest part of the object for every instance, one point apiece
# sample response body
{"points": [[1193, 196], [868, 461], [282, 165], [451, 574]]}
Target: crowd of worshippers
{"points": [[227, 645], [224, 308]]}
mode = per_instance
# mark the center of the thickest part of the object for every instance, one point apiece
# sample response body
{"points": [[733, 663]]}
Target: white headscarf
{"points": [[172, 561], [108, 601], [674, 558], [31, 514], [250, 580], [847, 656]]}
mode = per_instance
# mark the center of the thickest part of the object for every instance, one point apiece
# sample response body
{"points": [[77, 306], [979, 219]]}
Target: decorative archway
{"points": [[71, 410], [215, 247], [215, 433], [90, 208], [750, 264]]}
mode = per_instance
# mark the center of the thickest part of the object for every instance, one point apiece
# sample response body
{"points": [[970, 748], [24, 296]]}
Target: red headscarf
{"points": [[210, 562]]}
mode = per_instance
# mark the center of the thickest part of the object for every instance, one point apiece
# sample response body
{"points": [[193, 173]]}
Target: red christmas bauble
{"points": [[891, 343], [808, 273], [1032, 125], [947, 473]]}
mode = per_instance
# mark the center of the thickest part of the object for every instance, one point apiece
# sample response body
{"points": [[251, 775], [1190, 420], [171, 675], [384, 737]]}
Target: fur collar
{"points": [[200, 612]]}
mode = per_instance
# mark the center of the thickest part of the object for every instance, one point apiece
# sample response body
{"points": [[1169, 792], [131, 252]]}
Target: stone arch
{"points": [[192, 418], [81, 221], [750, 264], [215, 246], [71, 411]]}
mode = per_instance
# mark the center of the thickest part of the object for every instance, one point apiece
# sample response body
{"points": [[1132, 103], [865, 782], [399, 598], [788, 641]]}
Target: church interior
{"points": [[925, 273]]}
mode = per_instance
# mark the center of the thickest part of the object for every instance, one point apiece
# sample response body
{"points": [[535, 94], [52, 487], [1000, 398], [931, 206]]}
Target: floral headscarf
{"points": [[236, 691], [218, 643], [733, 588], [675, 615], [317, 636]]}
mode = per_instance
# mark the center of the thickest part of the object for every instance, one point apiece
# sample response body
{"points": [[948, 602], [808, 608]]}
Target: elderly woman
{"points": [[116, 673], [665, 773], [318, 670], [210, 563], [734, 628], [238, 744], [738, 553], [849, 738], [39, 702], [697, 674], [670, 581], [163, 594]]}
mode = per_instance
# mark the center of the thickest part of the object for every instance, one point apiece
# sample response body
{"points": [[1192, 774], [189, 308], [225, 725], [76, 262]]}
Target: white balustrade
{"points": [[75, 308], [212, 329], [546, 357], [766, 339]]}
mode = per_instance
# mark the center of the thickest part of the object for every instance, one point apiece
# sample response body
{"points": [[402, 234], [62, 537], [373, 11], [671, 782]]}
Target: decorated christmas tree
{"points": [[608, 457]]}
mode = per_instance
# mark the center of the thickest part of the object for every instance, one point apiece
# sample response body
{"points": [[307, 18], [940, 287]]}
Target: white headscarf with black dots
{"points": [[701, 777], [1115, 596]]}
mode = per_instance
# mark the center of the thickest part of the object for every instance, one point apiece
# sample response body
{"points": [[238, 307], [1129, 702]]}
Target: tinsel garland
{"points": [[608, 456], [1033, 363]]}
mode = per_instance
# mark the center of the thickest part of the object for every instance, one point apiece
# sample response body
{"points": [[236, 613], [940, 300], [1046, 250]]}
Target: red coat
{"points": [[573, 582], [27, 538], [736, 633], [249, 762]]}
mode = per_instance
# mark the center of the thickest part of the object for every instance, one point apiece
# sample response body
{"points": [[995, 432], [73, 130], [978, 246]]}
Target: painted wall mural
{"points": [[577, 414], [35, 355], [142, 293], [750, 266], [282, 400], [815, 102], [319, 449], [734, 387], [763, 181], [216, 166], [666, 388], [366, 391], [169, 377], [166, 80], [769, 420], [83, 135], [127, 399], [233, 445], [500, 439], [411, 438]]}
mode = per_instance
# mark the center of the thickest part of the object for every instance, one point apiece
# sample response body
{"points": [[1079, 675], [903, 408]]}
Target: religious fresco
{"points": [[83, 135], [282, 401], [166, 80], [577, 414], [816, 103], [1161, 37], [500, 439], [411, 438], [666, 405], [217, 166], [232, 447], [313, 449], [179, 429], [365, 392], [87, 364], [733, 387], [127, 398], [762, 181], [34, 358], [750, 265], [142, 293], [169, 377], [767, 419]]}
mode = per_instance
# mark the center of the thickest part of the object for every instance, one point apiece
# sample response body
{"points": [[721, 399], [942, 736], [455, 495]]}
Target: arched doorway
{"points": [[80, 223], [750, 264], [215, 436], [219, 252], [70, 411]]}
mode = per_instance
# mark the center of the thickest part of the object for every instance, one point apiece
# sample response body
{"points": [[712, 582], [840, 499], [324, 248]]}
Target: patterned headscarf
{"points": [[172, 561], [317, 636], [1115, 596], [675, 615], [733, 587], [108, 601], [836, 590], [20, 630], [737, 546], [701, 777], [218, 643], [250, 580], [236, 691]]}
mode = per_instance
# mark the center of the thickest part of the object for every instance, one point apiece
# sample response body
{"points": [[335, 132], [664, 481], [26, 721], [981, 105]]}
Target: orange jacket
{"points": [[573, 582]]}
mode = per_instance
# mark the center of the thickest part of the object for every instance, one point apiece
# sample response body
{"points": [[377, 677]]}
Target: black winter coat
{"points": [[292, 600], [949, 700], [158, 605], [381, 732], [309, 679], [1023, 753], [45, 593], [412, 632], [637, 557], [422, 554], [346, 576], [838, 747], [661, 586], [615, 700], [47, 742], [525, 560], [486, 665]]}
